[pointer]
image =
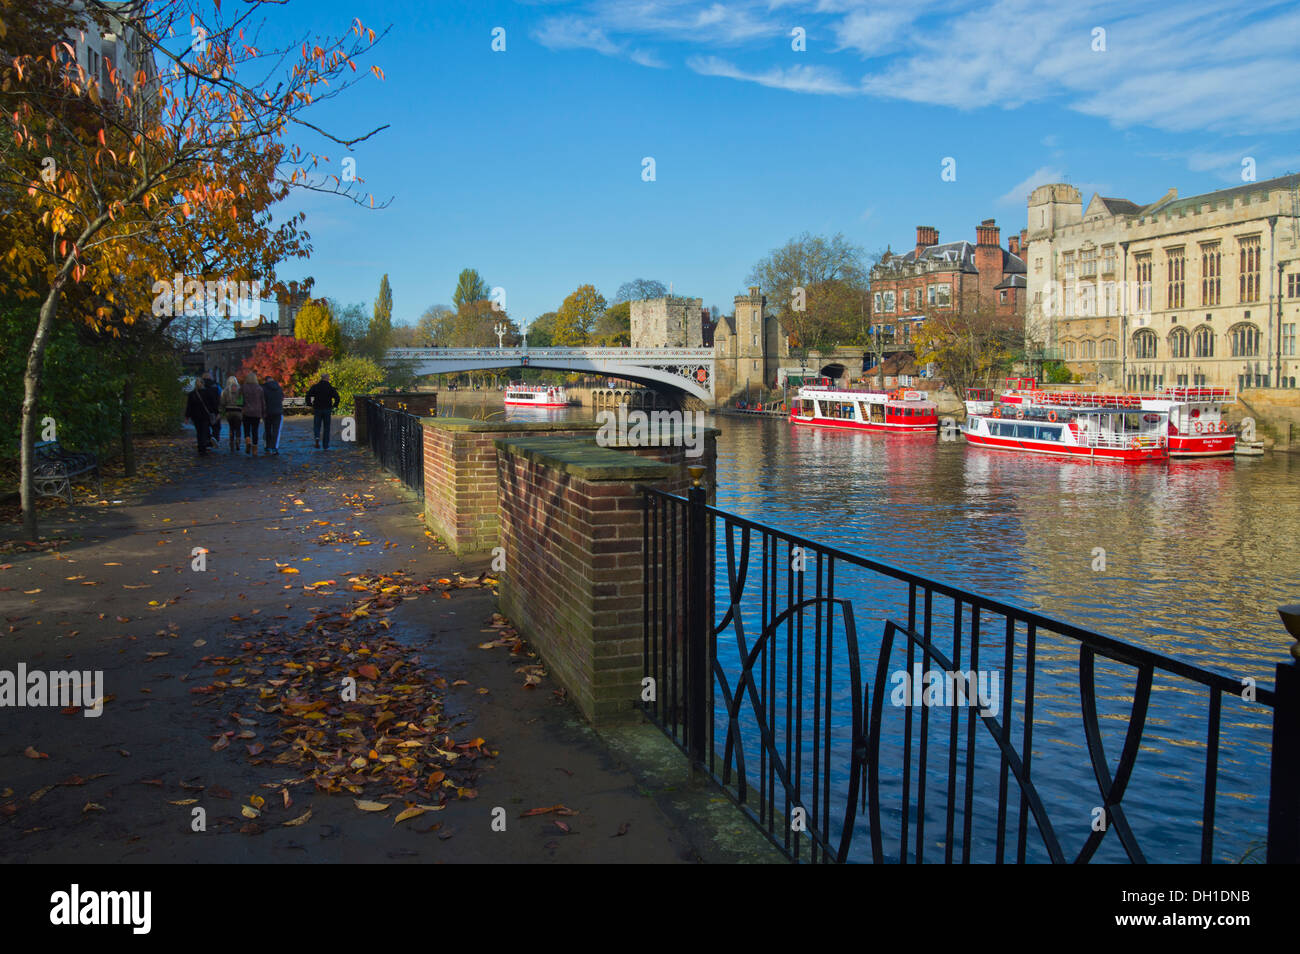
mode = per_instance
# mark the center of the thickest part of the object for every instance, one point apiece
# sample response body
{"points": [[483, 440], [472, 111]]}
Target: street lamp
{"points": [[501, 330]]}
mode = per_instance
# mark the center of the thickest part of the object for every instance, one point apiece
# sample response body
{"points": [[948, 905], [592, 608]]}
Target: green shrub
{"points": [[352, 375]]}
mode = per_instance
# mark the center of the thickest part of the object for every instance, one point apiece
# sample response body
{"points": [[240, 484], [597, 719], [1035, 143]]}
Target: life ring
{"points": [[1135, 444], [1020, 414], [997, 411], [1051, 415], [1197, 427]]}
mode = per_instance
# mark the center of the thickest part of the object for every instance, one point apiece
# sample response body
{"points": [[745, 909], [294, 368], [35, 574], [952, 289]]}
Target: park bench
{"points": [[55, 468], [295, 402]]}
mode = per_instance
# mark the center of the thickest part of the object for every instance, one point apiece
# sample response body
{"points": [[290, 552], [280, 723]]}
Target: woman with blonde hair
{"points": [[254, 411], [232, 405]]}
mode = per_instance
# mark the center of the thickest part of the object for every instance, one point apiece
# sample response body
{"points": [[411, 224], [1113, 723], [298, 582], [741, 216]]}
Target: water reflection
{"points": [[1188, 560]]}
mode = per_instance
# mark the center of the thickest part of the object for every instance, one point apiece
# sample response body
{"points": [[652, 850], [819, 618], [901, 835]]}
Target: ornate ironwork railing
{"points": [[397, 440], [936, 724]]}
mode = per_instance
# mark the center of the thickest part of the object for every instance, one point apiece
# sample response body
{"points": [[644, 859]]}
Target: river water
{"points": [[1188, 559]]}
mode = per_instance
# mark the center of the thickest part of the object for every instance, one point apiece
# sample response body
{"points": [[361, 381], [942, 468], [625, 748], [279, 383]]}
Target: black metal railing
{"points": [[1023, 742], [397, 440]]}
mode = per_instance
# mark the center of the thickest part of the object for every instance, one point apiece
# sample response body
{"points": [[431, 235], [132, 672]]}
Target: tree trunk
{"points": [[128, 442], [31, 394]]}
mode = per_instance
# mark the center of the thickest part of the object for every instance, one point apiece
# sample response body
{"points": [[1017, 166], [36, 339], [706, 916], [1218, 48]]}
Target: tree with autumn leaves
{"points": [[114, 181], [290, 361]]}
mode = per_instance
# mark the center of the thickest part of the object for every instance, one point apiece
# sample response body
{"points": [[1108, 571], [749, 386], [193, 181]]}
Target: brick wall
{"points": [[571, 524], [460, 475]]}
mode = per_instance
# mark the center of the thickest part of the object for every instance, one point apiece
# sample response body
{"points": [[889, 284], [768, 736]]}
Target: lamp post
{"points": [[501, 330]]}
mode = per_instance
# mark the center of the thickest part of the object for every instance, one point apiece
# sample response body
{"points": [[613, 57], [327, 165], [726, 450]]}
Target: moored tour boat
{"points": [[898, 410], [1097, 433], [1196, 424], [527, 395]]}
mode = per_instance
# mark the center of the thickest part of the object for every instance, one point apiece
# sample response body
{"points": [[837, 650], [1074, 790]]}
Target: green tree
{"points": [[352, 375], [807, 263], [470, 288], [613, 329], [1055, 372], [541, 331], [353, 324], [434, 326], [316, 324], [379, 337], [970, 348], [574, 320]]}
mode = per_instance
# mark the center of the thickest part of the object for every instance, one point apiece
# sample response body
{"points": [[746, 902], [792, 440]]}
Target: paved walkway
{"points": [[122, 597]]}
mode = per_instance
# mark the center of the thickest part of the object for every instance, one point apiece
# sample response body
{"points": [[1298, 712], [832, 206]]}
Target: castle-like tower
{"points": [[288, 305]]}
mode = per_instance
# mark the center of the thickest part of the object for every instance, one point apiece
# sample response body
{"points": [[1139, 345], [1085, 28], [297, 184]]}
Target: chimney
{"points": [[986, 233], [926, 235], [1013, 243], [988, 259], [753, 291]]}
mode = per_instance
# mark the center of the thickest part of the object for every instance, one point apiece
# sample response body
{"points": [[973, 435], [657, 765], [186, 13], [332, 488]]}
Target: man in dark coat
{"points": [[322, 399], [211, 395], [274, 397], [198, 412]]}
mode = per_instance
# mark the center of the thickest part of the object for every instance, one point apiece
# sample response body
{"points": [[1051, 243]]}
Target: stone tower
{"points": [[288, 304]]}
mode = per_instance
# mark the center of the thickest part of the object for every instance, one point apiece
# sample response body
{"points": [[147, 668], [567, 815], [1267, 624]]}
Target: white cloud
{"points": [[1019, 193], [798, 79], [1199, 66]]}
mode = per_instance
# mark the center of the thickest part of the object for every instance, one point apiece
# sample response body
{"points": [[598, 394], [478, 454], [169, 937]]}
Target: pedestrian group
{"points": [[245, 405]]}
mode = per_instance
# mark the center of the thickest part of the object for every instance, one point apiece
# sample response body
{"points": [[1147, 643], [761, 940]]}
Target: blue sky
{"points": [[527, 164]]}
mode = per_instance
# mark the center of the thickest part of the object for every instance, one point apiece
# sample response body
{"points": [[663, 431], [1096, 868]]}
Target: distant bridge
{"points": [[690, 370]]}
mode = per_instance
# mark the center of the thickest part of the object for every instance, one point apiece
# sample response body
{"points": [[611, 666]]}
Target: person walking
{"points": [[232, 405], [254, 410], [198, 412], [322, 399], [274, 398], [211, 395]]}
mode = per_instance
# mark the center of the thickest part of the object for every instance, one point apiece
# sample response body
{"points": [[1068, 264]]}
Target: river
{"points": [[1188, 559]]}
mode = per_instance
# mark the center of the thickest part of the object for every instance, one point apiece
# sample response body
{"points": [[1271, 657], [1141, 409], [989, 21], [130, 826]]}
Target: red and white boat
{"points": [[898, 410], [527, 395], [1196, 424], [1127, 434]]}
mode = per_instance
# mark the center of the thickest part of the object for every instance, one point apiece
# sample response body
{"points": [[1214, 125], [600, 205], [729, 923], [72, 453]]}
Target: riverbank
{"points": [[222, 691]]}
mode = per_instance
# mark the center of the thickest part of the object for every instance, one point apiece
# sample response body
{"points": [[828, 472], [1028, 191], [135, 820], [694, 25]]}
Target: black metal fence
{"points": [[935, 724], [396, 438]]}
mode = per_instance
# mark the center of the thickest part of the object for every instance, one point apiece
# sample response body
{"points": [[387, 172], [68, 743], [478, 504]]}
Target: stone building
{"points": [[668, 322], [1203, 290], [904, 288], [225, 356], [748, 347]]}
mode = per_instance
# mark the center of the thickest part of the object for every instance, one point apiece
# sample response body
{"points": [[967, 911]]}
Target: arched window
{"points": [[1244, 340], [1069, 350], [1088, 351], [1110, 348], [1144, 344], [1203, 342], [1180, 343]]}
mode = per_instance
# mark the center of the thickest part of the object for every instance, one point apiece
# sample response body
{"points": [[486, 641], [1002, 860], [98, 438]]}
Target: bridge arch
{"points": [[689, 370]]}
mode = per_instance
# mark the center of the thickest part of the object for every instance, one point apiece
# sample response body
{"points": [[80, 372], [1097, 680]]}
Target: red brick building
{"points": [[904, 288]]}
